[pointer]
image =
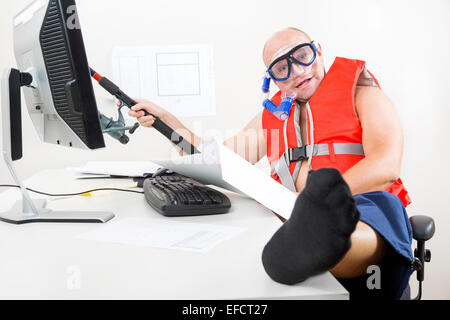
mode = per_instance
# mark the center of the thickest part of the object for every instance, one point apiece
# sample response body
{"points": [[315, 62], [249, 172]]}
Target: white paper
{"points": [[220, 166], [85, 176], [255, 183], [165, 234], [120, 169], [180, 78]]}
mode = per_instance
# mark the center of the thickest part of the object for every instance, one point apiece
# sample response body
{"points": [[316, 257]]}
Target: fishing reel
{"points": [[118, 129]]}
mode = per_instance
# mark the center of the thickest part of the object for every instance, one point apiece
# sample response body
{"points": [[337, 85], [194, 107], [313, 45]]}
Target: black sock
{"points": [[317, 235]]}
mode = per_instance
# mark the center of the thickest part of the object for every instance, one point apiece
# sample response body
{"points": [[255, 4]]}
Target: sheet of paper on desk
{"points": [[219, 166], [180, 78], [120, 169], [165, 234]]}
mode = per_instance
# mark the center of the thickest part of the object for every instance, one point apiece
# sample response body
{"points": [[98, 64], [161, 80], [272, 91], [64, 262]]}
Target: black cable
{"points": [[72, 194]]}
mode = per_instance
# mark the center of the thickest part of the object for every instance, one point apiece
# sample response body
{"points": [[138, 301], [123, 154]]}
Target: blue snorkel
{"points": [[281, 112]]}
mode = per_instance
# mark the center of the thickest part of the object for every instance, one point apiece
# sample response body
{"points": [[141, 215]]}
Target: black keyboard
{"points": [[174, 195]]}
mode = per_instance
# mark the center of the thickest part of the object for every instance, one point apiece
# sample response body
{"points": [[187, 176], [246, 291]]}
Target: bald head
{"points": [[281, 40]]}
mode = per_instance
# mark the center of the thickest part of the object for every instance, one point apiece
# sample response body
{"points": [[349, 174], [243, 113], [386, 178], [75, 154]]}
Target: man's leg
{"points": [[368, 249], [382, 238], [317, 235]]}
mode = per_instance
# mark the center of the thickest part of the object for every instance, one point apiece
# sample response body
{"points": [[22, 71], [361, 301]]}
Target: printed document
{"points": [[180, 78], [164, 233]]}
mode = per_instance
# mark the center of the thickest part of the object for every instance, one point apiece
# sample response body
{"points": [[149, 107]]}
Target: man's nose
{"points": [[297, 70]]}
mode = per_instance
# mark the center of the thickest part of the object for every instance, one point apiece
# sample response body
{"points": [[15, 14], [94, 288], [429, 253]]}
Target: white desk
{"points": [[38, 261]]}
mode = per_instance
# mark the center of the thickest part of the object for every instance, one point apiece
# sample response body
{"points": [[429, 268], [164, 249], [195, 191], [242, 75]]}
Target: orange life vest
{"points": [[334, 129]]}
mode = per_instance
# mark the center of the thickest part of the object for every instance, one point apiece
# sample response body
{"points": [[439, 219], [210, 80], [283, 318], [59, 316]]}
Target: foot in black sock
{"points": [[317, 236]]}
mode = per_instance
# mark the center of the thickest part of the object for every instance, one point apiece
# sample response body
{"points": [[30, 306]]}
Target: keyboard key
{"points": [[207, 198], [215, 198], [191, 197], [158, 194]]}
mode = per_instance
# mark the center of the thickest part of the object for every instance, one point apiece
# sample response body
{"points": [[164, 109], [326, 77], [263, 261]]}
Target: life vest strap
{"points": [[305, 153], [297, 154]]}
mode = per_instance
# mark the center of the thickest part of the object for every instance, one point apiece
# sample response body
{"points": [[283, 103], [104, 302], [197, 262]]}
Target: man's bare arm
{"points": [[382, 141], [250, 142]]}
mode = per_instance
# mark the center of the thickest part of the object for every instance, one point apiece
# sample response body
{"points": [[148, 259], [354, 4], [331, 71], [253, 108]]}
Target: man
{"points": [[345, 224]]}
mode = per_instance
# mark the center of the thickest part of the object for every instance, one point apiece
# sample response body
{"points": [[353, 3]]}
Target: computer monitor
{"points": [[48, 44], [54, 73]]}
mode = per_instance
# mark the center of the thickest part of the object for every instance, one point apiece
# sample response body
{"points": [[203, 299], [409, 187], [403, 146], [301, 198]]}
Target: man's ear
{"points": [[319, 49]]}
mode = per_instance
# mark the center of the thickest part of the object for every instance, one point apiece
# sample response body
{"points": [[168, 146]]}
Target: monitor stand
{"points": [[28, 210]]}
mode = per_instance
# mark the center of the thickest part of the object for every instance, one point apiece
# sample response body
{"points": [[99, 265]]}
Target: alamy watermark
{"points": [[374, 280], [73, 280], [73, 23], [250, 144]]}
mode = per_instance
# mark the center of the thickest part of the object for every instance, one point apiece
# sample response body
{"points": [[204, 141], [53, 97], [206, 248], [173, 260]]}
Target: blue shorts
{"points": [[385, 213]]}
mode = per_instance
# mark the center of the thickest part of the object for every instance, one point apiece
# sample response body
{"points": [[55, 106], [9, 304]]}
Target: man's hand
{"points": [[137, 112], [156, 111]]}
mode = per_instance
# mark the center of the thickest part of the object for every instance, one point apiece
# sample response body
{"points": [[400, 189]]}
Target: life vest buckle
{"points": [[298, 154]]}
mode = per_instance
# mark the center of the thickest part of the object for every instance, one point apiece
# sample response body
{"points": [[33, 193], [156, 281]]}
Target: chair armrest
{"points": [[423, 227]]}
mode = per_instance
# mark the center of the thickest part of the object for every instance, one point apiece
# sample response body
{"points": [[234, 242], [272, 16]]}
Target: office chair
{"points": [[423, 230]]}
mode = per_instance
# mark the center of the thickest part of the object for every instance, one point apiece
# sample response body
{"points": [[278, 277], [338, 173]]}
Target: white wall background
{"points": [[406, 44]]}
